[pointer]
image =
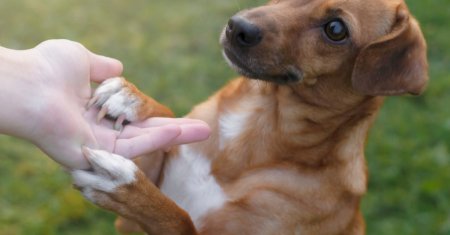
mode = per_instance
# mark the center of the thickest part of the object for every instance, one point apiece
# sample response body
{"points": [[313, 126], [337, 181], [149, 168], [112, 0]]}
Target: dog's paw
{"points": [[109, 172], [117, 99]]}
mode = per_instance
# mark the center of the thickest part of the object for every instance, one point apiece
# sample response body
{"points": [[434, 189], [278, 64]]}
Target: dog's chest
{"points": [[187, 177], [188, 181]]}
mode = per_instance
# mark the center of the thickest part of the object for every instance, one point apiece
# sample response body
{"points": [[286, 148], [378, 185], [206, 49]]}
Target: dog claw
{"points": [[92, 102], [118, 126], [102, 113]]}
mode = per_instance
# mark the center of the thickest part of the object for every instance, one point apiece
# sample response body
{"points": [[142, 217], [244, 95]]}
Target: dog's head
{"points": [[377, 46]]}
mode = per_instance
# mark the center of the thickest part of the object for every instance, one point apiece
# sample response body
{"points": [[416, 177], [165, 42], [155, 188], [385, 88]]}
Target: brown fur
{"points": [[149, 107], [298, 166]]}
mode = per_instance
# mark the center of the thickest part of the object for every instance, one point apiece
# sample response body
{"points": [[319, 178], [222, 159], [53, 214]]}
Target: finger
{"points": [[188, 129], [157, 139], [191, 133], [102, 67], [159, 121]]}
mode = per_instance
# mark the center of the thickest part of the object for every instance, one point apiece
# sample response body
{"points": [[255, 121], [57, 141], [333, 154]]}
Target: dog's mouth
{"points": [[291, 74], [243, 66]]}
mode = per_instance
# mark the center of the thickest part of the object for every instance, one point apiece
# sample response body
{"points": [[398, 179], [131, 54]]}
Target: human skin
{"points": [[44, 92]]}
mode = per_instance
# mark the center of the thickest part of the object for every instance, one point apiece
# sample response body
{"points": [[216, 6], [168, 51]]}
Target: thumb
{"points": [[102, 67]]}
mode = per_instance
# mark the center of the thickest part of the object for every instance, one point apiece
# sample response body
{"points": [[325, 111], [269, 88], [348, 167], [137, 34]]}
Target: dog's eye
{"points": [[336, 30]]}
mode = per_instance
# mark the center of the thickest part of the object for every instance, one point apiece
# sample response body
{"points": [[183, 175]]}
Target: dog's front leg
{"points": [[117, 184]]}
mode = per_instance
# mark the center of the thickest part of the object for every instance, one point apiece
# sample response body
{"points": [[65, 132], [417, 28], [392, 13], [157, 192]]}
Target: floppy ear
{"points": [[394, 64]]}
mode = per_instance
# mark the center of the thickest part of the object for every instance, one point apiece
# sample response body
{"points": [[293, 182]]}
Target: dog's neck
{"points": [[297, 124], [333, 122]]}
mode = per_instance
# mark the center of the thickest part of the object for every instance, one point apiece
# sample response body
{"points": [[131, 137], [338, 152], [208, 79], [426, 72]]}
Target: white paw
{"points": [[116, 100], [108, 172]]}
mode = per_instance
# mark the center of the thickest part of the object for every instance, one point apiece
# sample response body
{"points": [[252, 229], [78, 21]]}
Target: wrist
{"points": [[16, 84]]}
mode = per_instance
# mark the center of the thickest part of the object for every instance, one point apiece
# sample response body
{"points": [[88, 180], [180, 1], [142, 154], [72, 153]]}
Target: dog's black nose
{"points": [[243, 33]]}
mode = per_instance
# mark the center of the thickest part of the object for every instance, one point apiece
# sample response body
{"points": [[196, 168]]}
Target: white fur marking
{"points": [[123, 102], [109, 172], [117, 98], [188, 181], [231, 125], [108, 88]]}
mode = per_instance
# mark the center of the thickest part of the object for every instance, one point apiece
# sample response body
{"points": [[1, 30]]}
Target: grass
{"points": [[170, 50]]}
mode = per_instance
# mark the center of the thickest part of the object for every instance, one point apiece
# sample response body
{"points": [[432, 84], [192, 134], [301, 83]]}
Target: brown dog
{"points": [[287, 153]]}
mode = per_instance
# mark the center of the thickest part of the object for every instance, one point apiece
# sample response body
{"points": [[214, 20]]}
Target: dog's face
{"points": [[375, 44]]}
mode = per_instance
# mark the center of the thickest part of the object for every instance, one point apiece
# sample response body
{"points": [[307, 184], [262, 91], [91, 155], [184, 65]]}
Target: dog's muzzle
{"points": [[242, 33]]}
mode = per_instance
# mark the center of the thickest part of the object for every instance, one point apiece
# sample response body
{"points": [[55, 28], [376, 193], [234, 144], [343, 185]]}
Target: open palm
{"points": [[60, 123]]}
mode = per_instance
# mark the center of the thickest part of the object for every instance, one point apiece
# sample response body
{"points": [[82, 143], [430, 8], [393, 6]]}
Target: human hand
{"points": [[147, 136], [50, 87]]}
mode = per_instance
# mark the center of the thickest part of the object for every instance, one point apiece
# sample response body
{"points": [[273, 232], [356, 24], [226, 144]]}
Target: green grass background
{"points": [[170, 50]]}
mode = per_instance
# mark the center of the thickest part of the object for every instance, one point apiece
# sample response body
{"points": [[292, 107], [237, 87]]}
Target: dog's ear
{"points": [[394, 64]]}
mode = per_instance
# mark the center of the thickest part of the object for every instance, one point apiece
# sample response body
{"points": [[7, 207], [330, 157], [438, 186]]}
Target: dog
{"points": [[286, 153]]}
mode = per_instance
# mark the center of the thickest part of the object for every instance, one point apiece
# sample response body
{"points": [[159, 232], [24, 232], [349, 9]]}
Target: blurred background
{"points": [[170, 51]]}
